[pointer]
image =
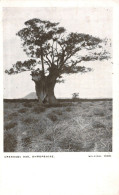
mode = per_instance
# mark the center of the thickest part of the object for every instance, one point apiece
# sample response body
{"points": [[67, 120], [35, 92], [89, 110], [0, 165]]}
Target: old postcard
{"points": [[59, 122]]}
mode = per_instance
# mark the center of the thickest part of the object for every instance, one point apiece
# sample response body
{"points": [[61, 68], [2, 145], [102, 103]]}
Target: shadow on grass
{"points": [[68, 109], [98, 124], [65, 104], [99, 112], [12, 115], [38, 109], [53, 117], [27, 104], [58, 112], [9, 125], [30, 120], [22, 110]]}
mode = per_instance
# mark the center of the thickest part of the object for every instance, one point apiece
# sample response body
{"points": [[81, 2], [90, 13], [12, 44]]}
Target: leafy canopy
{"points": [[54, 51]]}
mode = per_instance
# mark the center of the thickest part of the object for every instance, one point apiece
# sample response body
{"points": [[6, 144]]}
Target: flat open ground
{"points": [[82, 126]]}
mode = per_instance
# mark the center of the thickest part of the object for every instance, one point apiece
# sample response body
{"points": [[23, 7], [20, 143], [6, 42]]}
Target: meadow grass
{"points": [[83, 126]]}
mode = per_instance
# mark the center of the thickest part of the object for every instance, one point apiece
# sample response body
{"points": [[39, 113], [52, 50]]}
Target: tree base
{"points": [[52, 100], [45, 89]]}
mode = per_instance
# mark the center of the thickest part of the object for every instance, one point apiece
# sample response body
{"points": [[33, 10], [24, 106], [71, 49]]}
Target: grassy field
{"points": [[81, 126]]}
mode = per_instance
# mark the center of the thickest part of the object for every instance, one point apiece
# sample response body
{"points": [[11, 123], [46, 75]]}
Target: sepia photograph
{"points": [[58, 68]]}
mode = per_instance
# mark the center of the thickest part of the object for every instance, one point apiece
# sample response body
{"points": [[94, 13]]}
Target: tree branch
{"points": [[21, 67], [50, 63]]}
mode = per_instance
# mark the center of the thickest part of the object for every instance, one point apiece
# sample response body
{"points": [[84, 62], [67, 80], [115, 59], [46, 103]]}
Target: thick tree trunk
{"points": [[41, 93], [51, 81], [45, 90], [45, 85], [50, 95]]}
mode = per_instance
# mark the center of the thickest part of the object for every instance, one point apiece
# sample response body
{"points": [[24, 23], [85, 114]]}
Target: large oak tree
{"points": [[52, 52]]}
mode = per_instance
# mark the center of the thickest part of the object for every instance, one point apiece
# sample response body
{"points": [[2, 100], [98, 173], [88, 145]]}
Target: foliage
{"points": [[75, 95], [55, 51], [21, 66]]}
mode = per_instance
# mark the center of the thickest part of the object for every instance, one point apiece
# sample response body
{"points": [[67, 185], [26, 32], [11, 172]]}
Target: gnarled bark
{"points": [[44, 85], [45, 89], [50, 92], [40, 85], [41, 92]]}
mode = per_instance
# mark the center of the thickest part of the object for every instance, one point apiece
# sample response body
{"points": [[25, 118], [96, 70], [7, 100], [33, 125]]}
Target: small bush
{"points": [[10, 143], [10, 125], [75, 96]]}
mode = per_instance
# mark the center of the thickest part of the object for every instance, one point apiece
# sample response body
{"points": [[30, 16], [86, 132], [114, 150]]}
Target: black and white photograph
{"points": [[59, 97], [58, 68]]}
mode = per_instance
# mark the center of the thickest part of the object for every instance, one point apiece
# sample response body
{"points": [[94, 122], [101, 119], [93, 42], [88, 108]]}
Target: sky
{"points": [[93, 21]]}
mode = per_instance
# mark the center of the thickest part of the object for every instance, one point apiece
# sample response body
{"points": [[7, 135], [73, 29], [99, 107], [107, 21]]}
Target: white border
{"points": [[76, 173]]}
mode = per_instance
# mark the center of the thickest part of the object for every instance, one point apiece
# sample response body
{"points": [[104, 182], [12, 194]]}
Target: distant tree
{"points": [[75, 95], [52, 53]]}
